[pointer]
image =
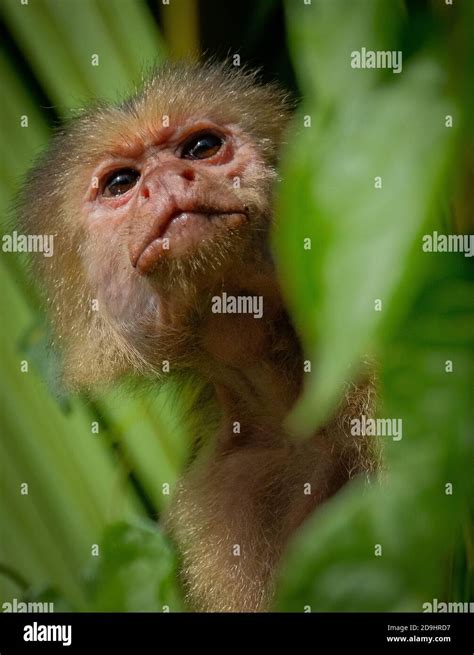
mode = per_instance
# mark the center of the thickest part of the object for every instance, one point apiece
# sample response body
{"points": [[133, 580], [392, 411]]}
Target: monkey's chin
{"points": [[184, 235]]}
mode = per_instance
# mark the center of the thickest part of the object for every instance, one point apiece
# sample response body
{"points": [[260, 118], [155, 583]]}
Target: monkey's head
{"points": [[154, 204]]}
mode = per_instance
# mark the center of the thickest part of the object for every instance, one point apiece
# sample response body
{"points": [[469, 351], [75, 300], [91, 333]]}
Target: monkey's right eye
{"points": [[119, 182]]}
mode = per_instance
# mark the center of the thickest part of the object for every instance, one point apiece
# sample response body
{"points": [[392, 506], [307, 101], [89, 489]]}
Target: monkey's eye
{"points": [[119, 182], [202, 146]]}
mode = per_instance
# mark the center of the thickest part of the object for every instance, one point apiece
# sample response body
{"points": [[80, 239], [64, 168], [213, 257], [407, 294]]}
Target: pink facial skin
{"points": [[175, 208]]}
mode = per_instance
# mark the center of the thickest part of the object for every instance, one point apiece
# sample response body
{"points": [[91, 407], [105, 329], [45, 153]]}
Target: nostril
{"points": [[188, 174]]}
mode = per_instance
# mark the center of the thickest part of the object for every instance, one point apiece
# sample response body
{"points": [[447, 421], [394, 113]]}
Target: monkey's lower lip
{"points": [[185, 230]]}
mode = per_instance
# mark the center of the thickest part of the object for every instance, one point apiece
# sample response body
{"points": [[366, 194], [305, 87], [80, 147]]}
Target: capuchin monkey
{"points": [[161, 208]]}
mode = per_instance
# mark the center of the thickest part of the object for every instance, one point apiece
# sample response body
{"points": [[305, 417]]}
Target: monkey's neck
{"points": [[255, 363], [235, 333]]}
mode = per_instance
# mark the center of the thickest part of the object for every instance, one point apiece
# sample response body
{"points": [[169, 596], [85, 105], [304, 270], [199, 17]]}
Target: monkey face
{"points": [[170, 214], [176, 194]]}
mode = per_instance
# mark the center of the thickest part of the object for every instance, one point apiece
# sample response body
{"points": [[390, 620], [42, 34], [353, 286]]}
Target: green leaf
{"points": [[90, 28], [323, 35], [135, 572], [362, 237]]}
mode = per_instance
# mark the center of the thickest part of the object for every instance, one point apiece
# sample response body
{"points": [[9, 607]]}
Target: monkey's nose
{"points": [[188, 174], [170, 179]]}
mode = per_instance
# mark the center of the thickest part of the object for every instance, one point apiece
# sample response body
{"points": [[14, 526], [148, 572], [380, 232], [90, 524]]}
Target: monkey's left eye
{"points": [[202, 146], [119, 182]]}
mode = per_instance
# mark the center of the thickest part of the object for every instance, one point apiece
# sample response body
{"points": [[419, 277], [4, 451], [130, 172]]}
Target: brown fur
{"points": [[246, 489]]}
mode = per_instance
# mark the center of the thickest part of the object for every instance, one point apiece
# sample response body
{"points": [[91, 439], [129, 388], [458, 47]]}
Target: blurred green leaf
{"points": [[322, 36], [60, 38], [362, 237], [135, 572]]}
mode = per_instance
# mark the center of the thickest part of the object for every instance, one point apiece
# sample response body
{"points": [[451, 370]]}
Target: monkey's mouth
{"points": [[184, 231]]}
